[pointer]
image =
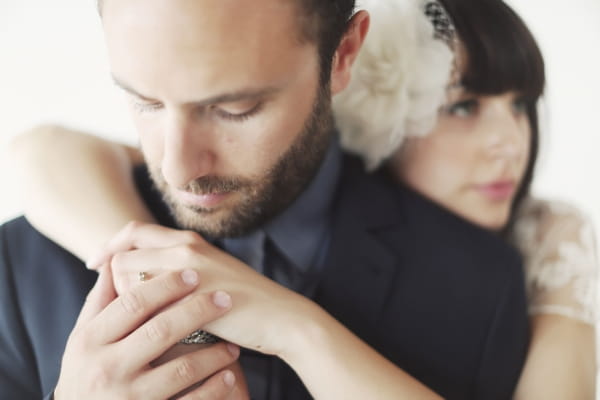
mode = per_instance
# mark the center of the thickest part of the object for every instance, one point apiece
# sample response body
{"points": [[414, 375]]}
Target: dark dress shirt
{"points": [[291, 250]]}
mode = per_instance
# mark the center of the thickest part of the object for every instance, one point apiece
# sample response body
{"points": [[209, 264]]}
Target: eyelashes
{"points": [[521, 104], [470, 107], [463, 108], [216, 111], [238, 117]]}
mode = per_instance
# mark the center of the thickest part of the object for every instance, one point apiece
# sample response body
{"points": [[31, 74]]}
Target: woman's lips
{"points": [[206, 201], [498, 191]]}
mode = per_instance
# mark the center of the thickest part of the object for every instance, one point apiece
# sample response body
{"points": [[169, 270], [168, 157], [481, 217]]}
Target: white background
{"points": [[53, 69]]}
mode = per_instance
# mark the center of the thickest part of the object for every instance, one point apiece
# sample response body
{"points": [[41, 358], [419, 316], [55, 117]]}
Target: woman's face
{"points": [[474, 160]]}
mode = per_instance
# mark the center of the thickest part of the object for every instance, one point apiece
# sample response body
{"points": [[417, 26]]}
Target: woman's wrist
{"points": [[307, 334]]}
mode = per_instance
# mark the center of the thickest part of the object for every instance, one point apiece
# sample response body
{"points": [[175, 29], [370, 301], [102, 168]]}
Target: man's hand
{"points": [[115, 339], [265, 317]]}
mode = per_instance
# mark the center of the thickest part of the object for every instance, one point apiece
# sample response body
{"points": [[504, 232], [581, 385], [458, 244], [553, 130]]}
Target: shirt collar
{"points": [[300, 230]]}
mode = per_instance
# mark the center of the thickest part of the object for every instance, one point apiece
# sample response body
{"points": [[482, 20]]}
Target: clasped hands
{"points": [[124, 344]]}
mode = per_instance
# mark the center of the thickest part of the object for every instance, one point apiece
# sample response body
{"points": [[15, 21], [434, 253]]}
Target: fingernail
{"points": [[189, 277], [222, 299], [233, 349], [229, 378]]}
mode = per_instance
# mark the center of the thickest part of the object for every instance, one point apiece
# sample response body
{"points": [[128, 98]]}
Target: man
{"points": [[232, 103]]}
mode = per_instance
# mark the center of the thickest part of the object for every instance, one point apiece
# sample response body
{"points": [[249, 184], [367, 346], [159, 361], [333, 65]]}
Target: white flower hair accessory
{"points": [[399, 78]]}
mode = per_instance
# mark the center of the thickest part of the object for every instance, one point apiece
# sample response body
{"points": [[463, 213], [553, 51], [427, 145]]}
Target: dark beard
{"points": [[266, 197]]}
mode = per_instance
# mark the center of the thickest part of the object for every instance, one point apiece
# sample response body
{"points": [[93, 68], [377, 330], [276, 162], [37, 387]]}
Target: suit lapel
{"points": [[361, 265]]}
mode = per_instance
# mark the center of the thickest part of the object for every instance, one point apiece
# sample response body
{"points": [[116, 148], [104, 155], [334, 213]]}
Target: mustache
{"points": [[215, 184]]}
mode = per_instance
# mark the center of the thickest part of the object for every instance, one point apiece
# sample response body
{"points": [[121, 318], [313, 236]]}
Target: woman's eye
{"points": [[464, 108], [237, 116], [520, 105]]}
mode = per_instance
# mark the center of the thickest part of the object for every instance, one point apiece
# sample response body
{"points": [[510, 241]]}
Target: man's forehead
{"points": [[101, 3], [175, 49], [224, 25], [198, 10]]}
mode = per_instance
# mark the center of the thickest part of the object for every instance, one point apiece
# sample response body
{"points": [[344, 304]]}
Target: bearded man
{"points": [[232, 103]]}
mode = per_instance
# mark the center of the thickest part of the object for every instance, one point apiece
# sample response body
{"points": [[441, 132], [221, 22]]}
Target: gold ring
{"points": [[142, 276]]}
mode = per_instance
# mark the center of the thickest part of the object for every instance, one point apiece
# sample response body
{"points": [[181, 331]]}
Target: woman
{"points": [[487, 127], [478, 162]]}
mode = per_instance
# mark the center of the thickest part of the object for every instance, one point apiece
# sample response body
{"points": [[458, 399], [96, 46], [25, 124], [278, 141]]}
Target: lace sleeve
{"points": [[559, 252]]}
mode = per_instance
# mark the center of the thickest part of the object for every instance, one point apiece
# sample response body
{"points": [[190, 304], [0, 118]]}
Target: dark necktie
{"points": [[250, 250]]}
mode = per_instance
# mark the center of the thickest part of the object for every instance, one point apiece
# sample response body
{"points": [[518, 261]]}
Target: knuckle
{"points": [[132, 226], [136, 393], [192, 255], [139, 389], [122, 284], [191, 237], [171, 283], [185, 371], [189, 251], [117, 261], [100, 377], [125, 232], [130, 395], [157, 330], [132, 302], [198, 306], [85, 341]]}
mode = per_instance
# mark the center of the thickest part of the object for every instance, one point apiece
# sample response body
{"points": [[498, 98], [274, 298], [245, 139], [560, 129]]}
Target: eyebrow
{"points": [[239, 95]]}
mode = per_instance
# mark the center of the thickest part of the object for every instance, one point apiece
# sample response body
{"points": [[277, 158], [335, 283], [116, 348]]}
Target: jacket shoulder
{"points": [[42, 289], [404, 220]]}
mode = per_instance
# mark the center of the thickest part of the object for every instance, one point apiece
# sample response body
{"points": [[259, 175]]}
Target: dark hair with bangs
{"points": [[324, 22], [502, 55]]}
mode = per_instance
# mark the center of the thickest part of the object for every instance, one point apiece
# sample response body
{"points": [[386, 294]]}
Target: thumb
{"points": [[101, 295]]}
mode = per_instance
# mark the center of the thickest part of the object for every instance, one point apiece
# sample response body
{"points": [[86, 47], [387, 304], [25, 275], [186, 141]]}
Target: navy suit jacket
{"points": [[440, 298]]}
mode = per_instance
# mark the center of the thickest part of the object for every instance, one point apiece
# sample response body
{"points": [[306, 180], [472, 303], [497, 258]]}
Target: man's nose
{"points": [[187, 153]]}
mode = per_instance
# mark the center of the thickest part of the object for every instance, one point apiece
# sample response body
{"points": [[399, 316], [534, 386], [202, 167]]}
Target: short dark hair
{"points": [[324, 22], [502, 55]]}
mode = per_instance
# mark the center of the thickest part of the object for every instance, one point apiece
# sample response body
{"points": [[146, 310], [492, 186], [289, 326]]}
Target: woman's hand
{"points": [[265, 316]]}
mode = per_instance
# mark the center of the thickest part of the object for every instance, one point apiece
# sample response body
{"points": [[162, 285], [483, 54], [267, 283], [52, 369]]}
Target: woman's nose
{"points": [[508, 132]]}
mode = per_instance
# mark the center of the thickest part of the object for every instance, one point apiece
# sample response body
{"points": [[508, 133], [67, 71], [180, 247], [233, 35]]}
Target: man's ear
{"points": [[347, 51]]}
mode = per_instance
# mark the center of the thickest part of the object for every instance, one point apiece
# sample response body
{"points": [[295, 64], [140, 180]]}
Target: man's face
{"points": [[226, 99]]}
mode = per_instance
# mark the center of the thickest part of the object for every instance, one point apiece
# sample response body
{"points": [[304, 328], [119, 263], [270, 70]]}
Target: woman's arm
{"points": [[561, 363], [76, 189], [561, 268], [347, 367]]}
